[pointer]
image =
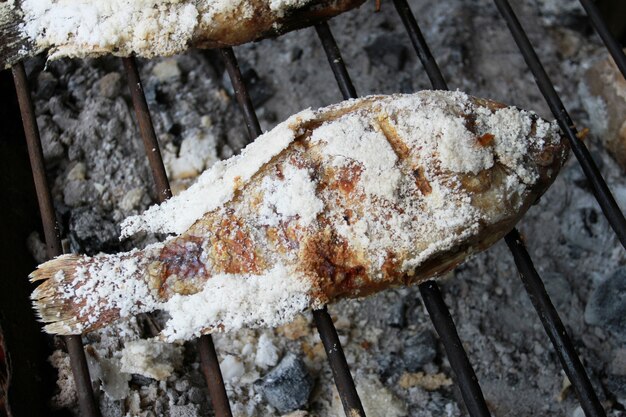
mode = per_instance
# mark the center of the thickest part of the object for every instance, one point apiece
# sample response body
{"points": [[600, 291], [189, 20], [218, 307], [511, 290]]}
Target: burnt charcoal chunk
{"points": [[607, 305], [386, 50], [419, 350], [260, 90], [287, 387]]}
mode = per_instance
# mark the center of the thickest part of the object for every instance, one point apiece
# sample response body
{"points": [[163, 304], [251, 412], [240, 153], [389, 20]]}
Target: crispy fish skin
{"points": [[368, 194], [149, 28]]}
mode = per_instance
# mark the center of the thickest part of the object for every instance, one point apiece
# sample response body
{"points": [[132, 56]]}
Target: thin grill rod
{"points": [[213, 376], [341, 372], [437, 310], [600, 189], [241, 93], [460, 364], [419, 44], [74, 344], [323, 321], [611, 43], [208, 356], [146, 129], [554, 327], [546, 311], [336, 61]]}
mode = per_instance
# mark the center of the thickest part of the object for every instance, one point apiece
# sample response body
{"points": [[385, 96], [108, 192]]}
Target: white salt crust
{"points": [[395, 214], [216, 186], [295, 195], [146, 27]]}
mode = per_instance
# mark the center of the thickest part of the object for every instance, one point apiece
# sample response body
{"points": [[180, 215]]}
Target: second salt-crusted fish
{"points": [[339, 202], [148, 28]]}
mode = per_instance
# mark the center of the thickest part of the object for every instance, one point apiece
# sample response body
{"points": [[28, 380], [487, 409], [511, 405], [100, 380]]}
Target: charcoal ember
{"points": [[559, 290], [258, 88], [390, 365], [616, 385], [91, 232], [418, 350], [46, 84], [110, 407], [110, 85], [397, 315], [53, 151], [607, 304], [386, 50], [287, 387]]}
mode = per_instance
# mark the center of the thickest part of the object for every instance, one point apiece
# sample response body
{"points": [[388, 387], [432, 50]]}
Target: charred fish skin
{"points": [[149, 28], [339, 202]]}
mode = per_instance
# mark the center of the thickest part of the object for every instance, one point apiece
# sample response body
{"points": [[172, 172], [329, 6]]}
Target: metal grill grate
{"points": [[439, 314]]}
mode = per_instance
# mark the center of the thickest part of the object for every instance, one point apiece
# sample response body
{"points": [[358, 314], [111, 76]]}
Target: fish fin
{"points": [[49, 301], [15, 44]]}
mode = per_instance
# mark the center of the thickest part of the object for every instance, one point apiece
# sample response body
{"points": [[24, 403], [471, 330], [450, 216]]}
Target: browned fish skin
{"points": [[369, 193], [162, 28]]}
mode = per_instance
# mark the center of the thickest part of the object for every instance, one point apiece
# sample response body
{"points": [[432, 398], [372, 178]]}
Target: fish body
{"points": [[148, 28], [339, 202]]}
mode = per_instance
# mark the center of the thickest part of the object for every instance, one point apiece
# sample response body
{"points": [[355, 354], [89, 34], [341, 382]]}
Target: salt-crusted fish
{"points": [[339, 202], [148, 28]]}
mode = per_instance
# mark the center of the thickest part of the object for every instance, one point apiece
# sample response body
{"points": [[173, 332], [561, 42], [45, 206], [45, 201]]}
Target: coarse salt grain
{"points": [[217, 185]]}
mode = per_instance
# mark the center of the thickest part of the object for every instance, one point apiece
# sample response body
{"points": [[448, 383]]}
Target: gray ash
{"points": [[97, 162]]}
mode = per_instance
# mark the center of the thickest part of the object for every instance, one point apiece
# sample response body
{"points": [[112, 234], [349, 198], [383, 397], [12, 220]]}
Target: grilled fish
{"points": [[338, 202], [148, 28]]}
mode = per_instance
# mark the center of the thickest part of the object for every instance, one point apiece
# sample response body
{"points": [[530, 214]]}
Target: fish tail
{"points": [[52, 307], [79, 293], [15, 44]]}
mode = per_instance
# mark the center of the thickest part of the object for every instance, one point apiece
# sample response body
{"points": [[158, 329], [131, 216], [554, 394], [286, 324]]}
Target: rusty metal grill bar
{"points": [[554, 327], [325, 327], [74, 344], [437, 310], [146, 128], [336, 61], [601, 191], [241, 93], [206, 349], [609, 40], [531, 279], [431, 294]]}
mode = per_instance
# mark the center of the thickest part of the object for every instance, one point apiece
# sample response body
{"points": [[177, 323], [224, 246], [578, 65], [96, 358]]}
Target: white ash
{"points": [[151, 358], [217, 185], [66, 385], [566, 233]]}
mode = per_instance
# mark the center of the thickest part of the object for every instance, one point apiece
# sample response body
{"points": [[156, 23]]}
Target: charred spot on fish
{"points": [[390, 267], [234, 251], [336, 268], [347, 216], [485, 139], [279, 173], [421, 182], [182, 258], [347, 178], [391, 134], [470, 122]]}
